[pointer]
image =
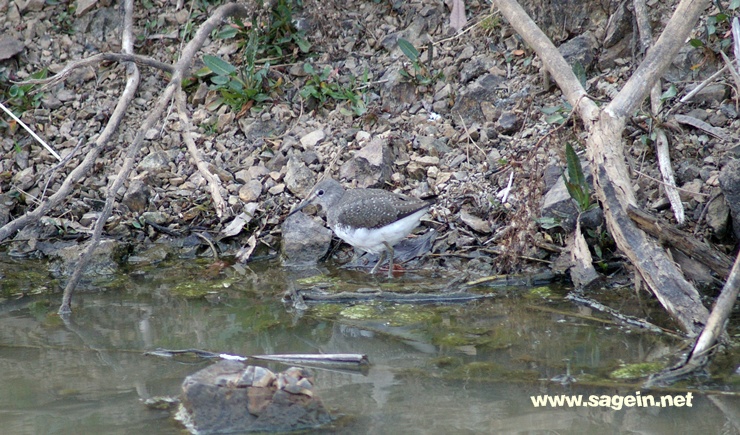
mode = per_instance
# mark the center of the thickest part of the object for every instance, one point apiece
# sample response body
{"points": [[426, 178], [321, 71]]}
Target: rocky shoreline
{"points": [[487, 138]]}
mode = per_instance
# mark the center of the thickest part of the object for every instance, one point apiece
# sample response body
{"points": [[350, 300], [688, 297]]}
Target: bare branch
{"points": [[187, 137], [180, 69], [96, 59], [658, 58], [606, 153]]}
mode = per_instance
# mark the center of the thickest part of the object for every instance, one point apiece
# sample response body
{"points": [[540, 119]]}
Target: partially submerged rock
{"points": [[231, 396], [305, 240]]}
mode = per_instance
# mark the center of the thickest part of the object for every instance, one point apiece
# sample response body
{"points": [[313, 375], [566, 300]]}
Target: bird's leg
{"points": [[381, 257], [389, 249]]}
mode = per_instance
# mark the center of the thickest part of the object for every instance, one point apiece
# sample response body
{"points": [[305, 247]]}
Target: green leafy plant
{"points": [[669, 93], [556, 114], [248, 83], [277, 38], [575, 181], [717, 36], [490, 24], [419, 74], [323, 88], [241, 88], [580, 73], [602, 244], [20, 95]]}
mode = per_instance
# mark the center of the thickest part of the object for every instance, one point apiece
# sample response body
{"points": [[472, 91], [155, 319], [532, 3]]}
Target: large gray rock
{"points": [[9, 47], [480, 91], [298, 178], [370, 166], [231, 396], [305, 240]]}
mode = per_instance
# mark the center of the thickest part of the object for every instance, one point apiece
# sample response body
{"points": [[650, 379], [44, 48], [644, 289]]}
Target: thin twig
{"points": [[187, 137], [96, 59], [642, 174], [31, 132]]}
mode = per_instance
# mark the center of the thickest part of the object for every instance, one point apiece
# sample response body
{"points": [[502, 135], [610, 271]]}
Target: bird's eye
{"points": [[320, 192]]}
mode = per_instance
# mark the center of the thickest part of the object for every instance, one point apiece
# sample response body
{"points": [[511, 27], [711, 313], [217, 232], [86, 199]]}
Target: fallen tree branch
{"points": [[606, 152], [627, 320], [180, 69], [656, 103], [187, 137], [330, 359], [718, 262], [707, 341], [717, 132], [96, 59]]}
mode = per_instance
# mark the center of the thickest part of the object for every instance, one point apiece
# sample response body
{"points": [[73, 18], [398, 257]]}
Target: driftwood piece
{"points": [[582, 271], [718, 262], [298, 358], [605, 149], [187, 136], [623, 318], [313, 295]]}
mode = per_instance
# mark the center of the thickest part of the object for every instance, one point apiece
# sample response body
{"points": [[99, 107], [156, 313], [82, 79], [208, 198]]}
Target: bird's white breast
{"points": [[371, 239]]}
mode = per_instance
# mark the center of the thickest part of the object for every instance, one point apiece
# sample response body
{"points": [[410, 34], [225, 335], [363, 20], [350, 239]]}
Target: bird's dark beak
{"points": [[306, 202], [300, 207]]}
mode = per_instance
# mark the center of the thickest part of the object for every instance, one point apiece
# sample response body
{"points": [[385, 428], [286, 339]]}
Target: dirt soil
{"points": [[479, 117]]}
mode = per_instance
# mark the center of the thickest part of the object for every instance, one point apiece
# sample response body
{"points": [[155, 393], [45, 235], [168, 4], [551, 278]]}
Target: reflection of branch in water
{"points": [[91, 339]]}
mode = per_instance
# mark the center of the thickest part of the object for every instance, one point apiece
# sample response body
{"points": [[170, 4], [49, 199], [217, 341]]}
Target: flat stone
{"points": [[712, 95], [250, 191], [108, 255], [579, 50], [85, 6], [371, 166], [30, 5], [426, 160], [155, 162], [298, 178], [137, 196], [509, 122], [483, 89], [9, 47], [474, 222], [729, 182], [257, 171], [718, 215], [156, 217], [313, 138], [277, 189]]}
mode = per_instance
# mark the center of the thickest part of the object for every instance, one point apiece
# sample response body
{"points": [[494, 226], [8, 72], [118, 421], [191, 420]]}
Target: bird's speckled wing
{"points": [[374, 208]]}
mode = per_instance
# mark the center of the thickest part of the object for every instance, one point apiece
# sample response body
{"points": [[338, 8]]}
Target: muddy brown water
{"points": [[435, 369]]}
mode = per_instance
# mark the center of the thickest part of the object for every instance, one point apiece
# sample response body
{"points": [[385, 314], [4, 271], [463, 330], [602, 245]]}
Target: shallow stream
{"points": [[435, 369]]}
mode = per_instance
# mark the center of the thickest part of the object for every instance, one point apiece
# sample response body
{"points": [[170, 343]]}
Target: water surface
{"points": [[449, 369]]}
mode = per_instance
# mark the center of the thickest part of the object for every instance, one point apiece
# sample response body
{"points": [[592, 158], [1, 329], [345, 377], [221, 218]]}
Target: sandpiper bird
{"points": [[371, 220]]}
